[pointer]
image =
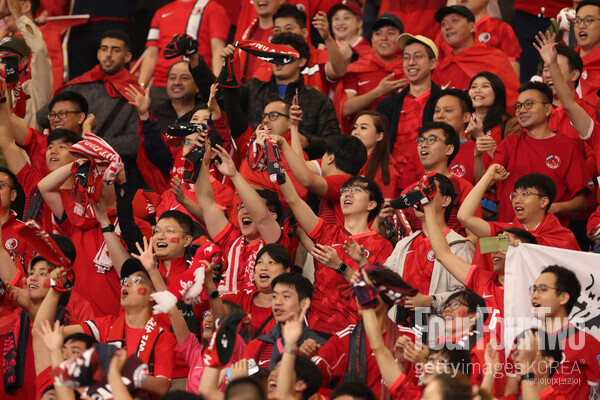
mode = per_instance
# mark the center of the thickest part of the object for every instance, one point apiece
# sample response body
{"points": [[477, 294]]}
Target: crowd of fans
{"points": [[285, 199]]}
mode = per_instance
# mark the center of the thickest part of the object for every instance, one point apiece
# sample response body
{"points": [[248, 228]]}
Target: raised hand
{"points": [[177, 190], [20, 296], [387, 85], [295, 112], [52, 335], [309, 347], [140, 100], [497, 172], [354, 250], [475, 127], [227, 51], [226, 166], [484, 144], [545, 45], [321, 24], [292, 329], [146, 256], [213, 106], [326, 255]]}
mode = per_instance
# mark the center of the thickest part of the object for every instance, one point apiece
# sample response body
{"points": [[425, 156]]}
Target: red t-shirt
{"points": [[329, 207], [411, 118], [418, 264], [405, 389], [590, 76], [557, 157], [331, 312], [164, 348], [241, 257], [417, 16], [485, 283], [179, 17], [258, 315], [42, 381]]}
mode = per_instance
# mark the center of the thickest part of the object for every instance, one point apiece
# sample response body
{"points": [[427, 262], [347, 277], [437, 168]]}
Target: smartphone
{"points": [[252, 369], [492, 244]]}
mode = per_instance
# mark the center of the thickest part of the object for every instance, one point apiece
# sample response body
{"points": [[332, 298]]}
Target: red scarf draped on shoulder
{"points": [[115, 84]]}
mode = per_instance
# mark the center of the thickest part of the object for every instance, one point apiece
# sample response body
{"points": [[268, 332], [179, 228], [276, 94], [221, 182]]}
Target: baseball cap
{"points": [[16, 44], [388, 19], [351, 5], [405, 37], [132, 265], [460, 10]]}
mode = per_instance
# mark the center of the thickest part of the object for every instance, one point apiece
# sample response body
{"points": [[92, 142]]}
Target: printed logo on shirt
{"points": [[301, 7], [553, 161], [165, 15], [363, 83], [446, 85], [11, 244], [584, 74], [484, 37], [431, 256], [486, 296], [458, 170]]}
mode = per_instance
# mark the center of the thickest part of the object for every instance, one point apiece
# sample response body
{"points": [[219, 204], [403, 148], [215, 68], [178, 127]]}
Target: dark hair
{"points": [[450, 135], [239, 388], [182, 219], [573, 59], [466, 104], [521, 234], [566, 282], [66, 135], [119, 35], [308, 372], [66, 246], [356, 390], [459, 359], [475, 304], [350, 153], [289, 11], [588, 3], [454, 387], [301, 284], [285, 104], [542, 88], [542, 183], [446, 188], [81, 337], [429, 50], [295, 41], [35, 5], [19, 203], [374, 190], [178, 62], [278, 253], [547, 347], [70, 96], [272, 199], [14, 182], [497, 111], [181, 395], [380, 158]]}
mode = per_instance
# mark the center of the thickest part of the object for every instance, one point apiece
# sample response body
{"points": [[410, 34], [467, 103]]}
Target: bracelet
{"points": [[290, 351], [108, 228], [528, 377]]}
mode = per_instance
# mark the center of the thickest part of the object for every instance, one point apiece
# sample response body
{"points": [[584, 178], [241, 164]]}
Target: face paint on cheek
{"points": [[174, 240], [461, 313], [46, 284], [141, 291]]}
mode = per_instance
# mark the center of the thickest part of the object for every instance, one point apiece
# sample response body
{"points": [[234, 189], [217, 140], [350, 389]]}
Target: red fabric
{"points": [[417, 16], [589, 83], [490, 32], [404, 389], [331, 312], [551, 7], [418, 265], [332, 360], [361, 77], [42, 381], [411, 118], [16, 245], [329, 206], [557, 157], [172, 19], [549, 232], [248, 64], [36, 146], [115, 84], [594, 220], [258, 315], [456, 71], [390, 191], [260, 351]]}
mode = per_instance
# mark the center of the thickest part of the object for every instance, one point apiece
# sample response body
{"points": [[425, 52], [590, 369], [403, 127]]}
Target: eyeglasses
{"points": [[61, 114], [206, 314], [352, 189], [513, 196], [429, 139], [273, 115], [527, 104], [133, 280], [455, 305], [541, 289], [168, 231], [4, 184], [584, 21], [241, 206]]}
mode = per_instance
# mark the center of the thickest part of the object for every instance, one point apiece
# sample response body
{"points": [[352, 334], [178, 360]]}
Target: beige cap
{"points": [[405, 37]]}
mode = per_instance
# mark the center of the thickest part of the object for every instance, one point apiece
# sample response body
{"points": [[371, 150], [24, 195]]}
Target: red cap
{"points": [[351, 5]]}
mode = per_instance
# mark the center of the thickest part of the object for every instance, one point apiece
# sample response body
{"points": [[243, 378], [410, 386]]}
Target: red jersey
{"points": [[405, 389], [544, 9], [549, 232], [418, 264], [333, 357], [411, 118], [163, 351], [557, 157], [485, 283], [203, 20], [590, 76], [35, 145], [332, 311], [241, 257], [417, 16], [329, 207], [491, 32], [593, 140], [258, 315]]}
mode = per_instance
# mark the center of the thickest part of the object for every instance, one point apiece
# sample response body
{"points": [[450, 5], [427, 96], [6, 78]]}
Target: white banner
{"points": [[523, 266]]}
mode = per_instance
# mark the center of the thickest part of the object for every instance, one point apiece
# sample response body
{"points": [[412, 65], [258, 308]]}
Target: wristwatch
{"points": [[341, 269], [528, 377], [108, 228]]}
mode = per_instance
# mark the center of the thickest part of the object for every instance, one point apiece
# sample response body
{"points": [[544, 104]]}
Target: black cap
{"points": [[130, 266], [388, 19], [460, 10]]}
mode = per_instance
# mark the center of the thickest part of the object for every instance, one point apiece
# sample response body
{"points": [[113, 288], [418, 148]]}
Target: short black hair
{"points": [[466, 104], [573, 59], [238, 388], [184, 220], [454, 386], [542, 183], [301, 284], [566, 282], [289, 11], [541, 87], [278, 253], [521, 234], [272, 199], [297, 42], [350, 153], [449, 134], [35, 5], [81, 337], [459, 359], [18, 204], [71, 96], [429, 50], [375, 193], [475, 303], [14, 182], [66, 135], [446, 188], [356, 390], [119, 35], [588, 3], [65, 245], [308, 372]]}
